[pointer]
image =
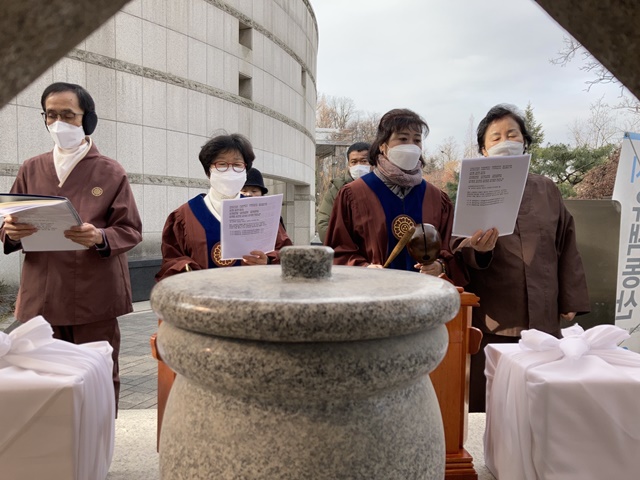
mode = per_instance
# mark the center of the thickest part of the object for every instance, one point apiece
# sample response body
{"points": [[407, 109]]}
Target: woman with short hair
{"points": [[371, 214], [533, 278], [191, 234]]}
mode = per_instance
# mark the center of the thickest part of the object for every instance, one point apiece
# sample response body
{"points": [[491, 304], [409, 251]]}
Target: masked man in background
{"points": [[358, 166]]}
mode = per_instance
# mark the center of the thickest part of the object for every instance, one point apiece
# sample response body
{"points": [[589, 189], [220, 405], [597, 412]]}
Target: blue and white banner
{"points": [[627, 191]]}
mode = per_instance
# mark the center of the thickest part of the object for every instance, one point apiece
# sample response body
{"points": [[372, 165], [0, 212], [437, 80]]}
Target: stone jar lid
{"points": [[305, 299]]}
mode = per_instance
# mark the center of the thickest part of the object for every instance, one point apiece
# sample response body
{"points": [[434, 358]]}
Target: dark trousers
{"points": [[93, 332], [477, 380]]}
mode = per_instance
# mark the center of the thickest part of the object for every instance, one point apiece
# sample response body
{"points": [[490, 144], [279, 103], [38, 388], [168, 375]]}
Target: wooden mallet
{"points": [[401, 244]]}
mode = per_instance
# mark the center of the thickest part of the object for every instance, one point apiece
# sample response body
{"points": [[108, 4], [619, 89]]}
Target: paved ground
{"points": [[138, 369]]}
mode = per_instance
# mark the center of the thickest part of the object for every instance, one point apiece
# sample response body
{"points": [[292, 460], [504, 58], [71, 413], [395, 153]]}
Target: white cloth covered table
{"points": [[57, 406], [564, 409]]}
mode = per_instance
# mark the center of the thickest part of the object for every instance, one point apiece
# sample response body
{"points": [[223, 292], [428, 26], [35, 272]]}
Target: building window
{"points": [[244, 86], [245, 35], [303, 78]]}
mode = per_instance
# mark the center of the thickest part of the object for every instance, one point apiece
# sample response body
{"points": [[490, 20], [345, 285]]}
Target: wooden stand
{"points": [[166, 376], [451, 383]]}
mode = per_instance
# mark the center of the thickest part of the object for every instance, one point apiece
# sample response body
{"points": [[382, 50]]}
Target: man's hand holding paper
{"points": [[44, 223], [86, 235], [15, 230], [255, 257]]}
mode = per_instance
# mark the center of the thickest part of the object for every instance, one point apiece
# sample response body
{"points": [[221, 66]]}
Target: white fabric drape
{"points": [[563, 409], [36, 371]]}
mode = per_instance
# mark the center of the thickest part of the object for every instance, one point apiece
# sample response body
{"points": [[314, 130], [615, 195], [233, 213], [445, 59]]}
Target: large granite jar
{"points": [[303, 371]]}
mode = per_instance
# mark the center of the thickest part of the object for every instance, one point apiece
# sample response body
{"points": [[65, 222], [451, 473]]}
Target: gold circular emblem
{"points": [[96, 191], [400, 225], [216, 256]]}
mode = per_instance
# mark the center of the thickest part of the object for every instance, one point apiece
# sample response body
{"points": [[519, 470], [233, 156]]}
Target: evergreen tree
{"points": [[451, 188], [534, 128], [567, 166], [537, 135]]}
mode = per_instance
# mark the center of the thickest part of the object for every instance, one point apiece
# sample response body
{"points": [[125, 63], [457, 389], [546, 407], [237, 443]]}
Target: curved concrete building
{"points": [[168, 74]]}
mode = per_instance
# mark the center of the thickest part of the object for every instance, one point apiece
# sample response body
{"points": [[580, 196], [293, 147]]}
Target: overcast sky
{"points": [[450, 59]]}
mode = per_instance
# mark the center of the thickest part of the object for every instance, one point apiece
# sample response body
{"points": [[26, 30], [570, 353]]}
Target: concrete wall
{"points": [[166, 75]]}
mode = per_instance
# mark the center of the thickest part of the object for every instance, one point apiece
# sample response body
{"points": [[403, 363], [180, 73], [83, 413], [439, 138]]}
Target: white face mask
{"points": [[405, 156], [227, 183], [358, 171], [66, 135], [506, 148]]}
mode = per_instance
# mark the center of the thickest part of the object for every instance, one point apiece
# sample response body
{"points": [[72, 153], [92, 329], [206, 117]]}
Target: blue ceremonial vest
{"points": [[211, 227], [394, 207]]}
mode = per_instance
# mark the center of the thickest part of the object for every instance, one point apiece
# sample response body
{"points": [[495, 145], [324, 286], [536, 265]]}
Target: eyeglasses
{"points": [[66, 116], [224, 166]]}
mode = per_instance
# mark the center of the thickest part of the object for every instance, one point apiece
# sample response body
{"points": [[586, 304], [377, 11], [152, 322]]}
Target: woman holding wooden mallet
{"points": [[371, 215]]}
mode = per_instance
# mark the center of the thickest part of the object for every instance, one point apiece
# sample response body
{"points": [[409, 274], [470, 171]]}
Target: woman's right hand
{"points": [[17, 231], [481, 241]]}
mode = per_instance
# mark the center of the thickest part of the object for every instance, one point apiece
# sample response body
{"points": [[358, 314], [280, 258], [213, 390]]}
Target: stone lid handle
{"points": [[306, 262]]}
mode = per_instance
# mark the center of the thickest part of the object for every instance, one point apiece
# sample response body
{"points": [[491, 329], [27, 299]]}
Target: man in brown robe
{"points": [[80, 293]]}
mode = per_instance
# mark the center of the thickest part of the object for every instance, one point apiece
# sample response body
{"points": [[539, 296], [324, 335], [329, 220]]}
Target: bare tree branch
{"points": [[571, 48]]}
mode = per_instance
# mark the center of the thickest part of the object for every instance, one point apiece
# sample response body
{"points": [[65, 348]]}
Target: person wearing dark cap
{"points": [[254, 186], [192, 233], [358, 165]]}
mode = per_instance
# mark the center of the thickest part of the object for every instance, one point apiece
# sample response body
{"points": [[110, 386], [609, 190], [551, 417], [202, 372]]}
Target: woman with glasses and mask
{"points": [[191, 235], [371, 214]]}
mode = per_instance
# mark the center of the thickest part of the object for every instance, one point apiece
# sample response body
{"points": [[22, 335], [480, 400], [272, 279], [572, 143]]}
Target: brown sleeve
{"points": [[19, 186], [470, 257], [123, 230], [176, 252], [573, 295], [342, 234], [282, 240], [456, 270]]}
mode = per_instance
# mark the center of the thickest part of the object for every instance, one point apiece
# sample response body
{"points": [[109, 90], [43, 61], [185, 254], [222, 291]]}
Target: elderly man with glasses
{"points": [[81, 292]]}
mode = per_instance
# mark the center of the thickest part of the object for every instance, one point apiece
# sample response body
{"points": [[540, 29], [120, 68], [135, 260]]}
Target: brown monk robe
{"points": [[184, 241], [358, 227], [85, 288], [534, 275], [191, 241]]}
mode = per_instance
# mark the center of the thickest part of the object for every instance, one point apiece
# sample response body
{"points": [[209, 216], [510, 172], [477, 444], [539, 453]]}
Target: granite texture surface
{"points": [[298, 376], [307, 372], [306, 262], [393, 436], [231, 303]]}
